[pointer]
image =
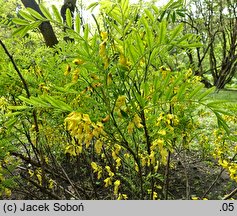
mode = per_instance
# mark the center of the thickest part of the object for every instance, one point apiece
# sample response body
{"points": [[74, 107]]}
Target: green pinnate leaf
{"points": [[57, 14]]}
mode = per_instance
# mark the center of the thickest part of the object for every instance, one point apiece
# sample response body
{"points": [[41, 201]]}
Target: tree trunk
{"points": [[45, 27], [71, 4]]}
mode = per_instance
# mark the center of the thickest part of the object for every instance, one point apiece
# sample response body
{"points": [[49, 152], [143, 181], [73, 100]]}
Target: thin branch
{"points": [[17, 69], [231, 194]]}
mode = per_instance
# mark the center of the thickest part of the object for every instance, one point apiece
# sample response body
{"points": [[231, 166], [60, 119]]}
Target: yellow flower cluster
{"points": [[116, 187], [169, 121], [73, 149], [158, 147], [154, 194], [67, 70], [130, 127], [190, 78], [108, 180], [84, 130], [8, 192], [115, 156], [137, 121], [122, 197], [51, 183], [164, 71], [97, 169], [102, 49], [120, 102], [39, 175], [120, 105], [224, 151], [75, 75], [124, 62], [78, 61], [231, 168]]}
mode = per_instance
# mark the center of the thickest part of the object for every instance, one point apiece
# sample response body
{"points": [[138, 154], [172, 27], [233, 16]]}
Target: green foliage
{"points": [[105, 115]]}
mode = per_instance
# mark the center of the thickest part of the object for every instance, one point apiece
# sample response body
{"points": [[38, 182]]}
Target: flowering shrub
{"points": [[108, 123]]}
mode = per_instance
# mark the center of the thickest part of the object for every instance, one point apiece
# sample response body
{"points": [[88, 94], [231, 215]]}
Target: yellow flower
{"points": [[164, 155], [8, 192], [154, 196], [78, 61], [127, 156], [102, 49], [39, 177], [116, 186], [70, 150], [120, 101], [152, 158], [99, 173], [111, 174], [104, 35], [106, 62], [108, 182], [51, 183], [130, 127], [122, 60], [114, 155], [117, 148], [118, 163], [143, 160], [232, 170], [136, 167], [97, 169], [156, 166], [223, 163], [122, 197], [94, 76], [98, 146], [137, 121], [94, 166], [170, 116], [86, 118], [163, 68], [106, 119], [157, 143], [88, 138], [68, 69], [46, 160], [75, 75], [235, 149], [188, 73], [31, 173], [162, 132]]}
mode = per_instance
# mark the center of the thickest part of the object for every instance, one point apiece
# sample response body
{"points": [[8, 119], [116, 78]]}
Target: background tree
{"points": [[216, 24], [45, 27], [68, 4]]}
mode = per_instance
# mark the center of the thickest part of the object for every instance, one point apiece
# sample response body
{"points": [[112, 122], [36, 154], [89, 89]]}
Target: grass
{"points": [[230, 95]]}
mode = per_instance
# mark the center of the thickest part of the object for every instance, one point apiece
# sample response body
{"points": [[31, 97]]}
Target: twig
{"points": [[69, 180], [41, 188], [27, 92], [228, 196], [213, 183], [16, 68]]}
